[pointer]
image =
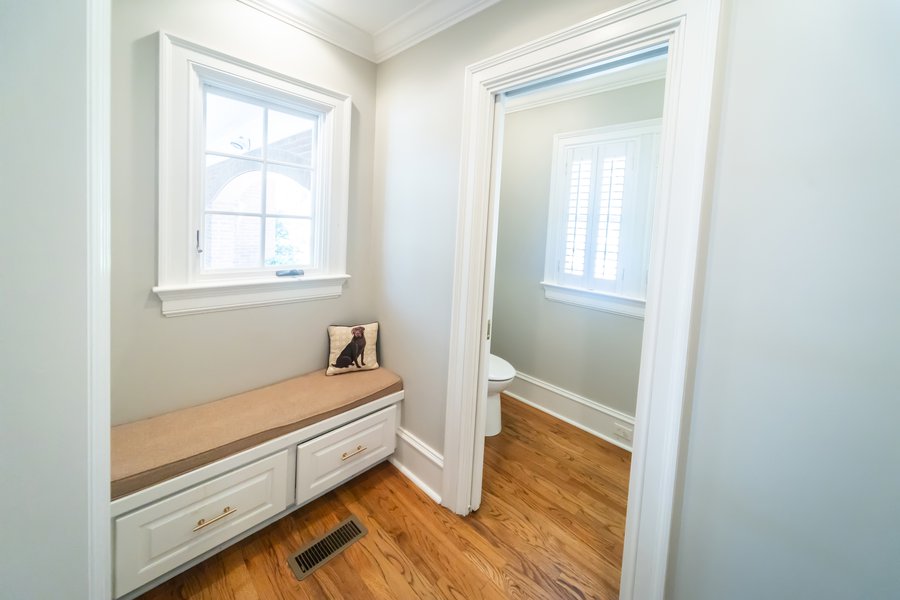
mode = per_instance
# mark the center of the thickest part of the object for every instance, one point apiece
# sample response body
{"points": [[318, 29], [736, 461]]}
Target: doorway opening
{"points": [[620, 35], [575, 187]]}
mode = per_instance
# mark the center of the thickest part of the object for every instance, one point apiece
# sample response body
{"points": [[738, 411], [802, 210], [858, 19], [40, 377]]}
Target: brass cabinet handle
{"points": [[359, 449], [204, 523]]}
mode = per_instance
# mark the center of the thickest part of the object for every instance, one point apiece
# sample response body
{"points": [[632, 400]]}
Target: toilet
{"points": [[500, 375]]}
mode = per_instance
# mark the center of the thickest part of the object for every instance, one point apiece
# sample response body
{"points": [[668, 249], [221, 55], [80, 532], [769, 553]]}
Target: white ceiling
{"points": [[372, 16], [373, 29]]}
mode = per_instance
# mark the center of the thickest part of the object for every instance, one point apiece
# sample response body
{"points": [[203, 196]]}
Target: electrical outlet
{"points": [[626, 432]]}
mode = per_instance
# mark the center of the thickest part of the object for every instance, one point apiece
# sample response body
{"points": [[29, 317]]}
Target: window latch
{"points": [[199, 249]]}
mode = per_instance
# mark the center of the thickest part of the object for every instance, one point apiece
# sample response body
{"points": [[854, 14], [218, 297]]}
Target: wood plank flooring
{"points": [[551, 525]]}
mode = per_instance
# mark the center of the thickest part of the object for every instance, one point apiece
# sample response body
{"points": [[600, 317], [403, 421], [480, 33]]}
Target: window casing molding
{"points": [[604, 301], [625, 295], [183, 286]]}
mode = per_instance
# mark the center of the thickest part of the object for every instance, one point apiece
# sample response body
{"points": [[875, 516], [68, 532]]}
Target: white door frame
{"points": [[99, 34], [690, 29]]}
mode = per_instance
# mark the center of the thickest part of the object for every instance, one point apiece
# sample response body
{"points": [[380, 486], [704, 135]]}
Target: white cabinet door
{"points": [[333, 458], [163, 535]]}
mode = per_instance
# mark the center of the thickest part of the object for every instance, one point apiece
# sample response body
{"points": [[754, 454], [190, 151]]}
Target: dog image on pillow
{"points": [[352, 348], [354, 352]]}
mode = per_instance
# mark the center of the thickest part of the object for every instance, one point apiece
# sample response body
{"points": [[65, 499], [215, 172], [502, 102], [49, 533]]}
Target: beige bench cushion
{"points": [[152, 450]]}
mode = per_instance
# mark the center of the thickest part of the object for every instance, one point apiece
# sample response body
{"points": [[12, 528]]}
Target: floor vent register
{"points": [[320, 551]]}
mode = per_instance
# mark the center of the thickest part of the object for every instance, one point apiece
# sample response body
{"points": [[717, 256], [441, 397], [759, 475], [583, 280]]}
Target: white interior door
{"points": [[489, 276]]}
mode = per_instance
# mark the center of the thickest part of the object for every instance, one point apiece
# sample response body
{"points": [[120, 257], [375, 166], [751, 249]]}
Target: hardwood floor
{"points": [[551, 525]]}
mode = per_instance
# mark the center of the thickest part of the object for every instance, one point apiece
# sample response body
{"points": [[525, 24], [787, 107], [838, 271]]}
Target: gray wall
{"points": [[792, 488], [591, 353], [419, 116], [45, 402], [162, 364]]}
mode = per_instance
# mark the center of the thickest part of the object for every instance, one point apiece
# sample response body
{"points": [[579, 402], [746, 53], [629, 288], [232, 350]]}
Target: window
{"points": [[254, 169], [260, 197], [601, 210]]}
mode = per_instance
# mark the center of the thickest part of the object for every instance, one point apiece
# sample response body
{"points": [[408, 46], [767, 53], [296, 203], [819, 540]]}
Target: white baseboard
{"points": [[419, 462], [584, 413]]}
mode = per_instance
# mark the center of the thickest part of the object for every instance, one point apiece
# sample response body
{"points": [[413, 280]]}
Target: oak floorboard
{"points": [[531, 430], [550, 526], [580, 481], [598, 526], [567, 525]]}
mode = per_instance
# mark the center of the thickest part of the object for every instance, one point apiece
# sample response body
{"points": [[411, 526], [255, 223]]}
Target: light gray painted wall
{"points": [[44, 360], [792, 488], [162, 364], [785, 496], [591, 353], [419, 116]]}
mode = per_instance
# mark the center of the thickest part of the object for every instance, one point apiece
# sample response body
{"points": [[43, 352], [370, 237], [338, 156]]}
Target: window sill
{"points": [[195, 298], [611, 303]]}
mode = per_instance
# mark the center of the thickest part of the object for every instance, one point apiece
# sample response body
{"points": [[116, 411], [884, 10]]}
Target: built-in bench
{"points": [[187, 483]]}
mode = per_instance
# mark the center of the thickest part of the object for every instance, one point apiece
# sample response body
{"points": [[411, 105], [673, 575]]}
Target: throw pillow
{"points": [[352, 348]]}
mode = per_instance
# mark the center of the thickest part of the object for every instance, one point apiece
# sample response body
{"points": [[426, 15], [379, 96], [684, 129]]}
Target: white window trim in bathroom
{"points": [[626, 295], [185, 68], [606, 302]]}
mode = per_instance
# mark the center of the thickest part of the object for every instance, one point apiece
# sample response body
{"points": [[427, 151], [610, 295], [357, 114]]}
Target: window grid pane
{"points": [[288, 191], [290, 139], [233, 185], [233, 126], [232, 242], [288, 241]]}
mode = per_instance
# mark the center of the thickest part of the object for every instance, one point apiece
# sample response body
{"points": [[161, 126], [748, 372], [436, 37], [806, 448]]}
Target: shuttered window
{"points": [[601, 209]]}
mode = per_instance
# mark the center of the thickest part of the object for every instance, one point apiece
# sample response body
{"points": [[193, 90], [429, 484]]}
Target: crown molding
{"points": [[421, 23], [409, 29], [322, 24]]}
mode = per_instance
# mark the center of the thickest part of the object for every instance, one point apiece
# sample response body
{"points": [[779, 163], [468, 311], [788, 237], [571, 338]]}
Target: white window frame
{"points": [[624, 296], [264, 98], [185, 68]]}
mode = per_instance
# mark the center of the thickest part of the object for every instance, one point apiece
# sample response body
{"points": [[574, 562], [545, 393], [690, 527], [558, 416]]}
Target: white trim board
{"points": [[190, 299], [419, 462], [98, 27], [423, 21], [584, 413], [308, 17], [653, 69]]}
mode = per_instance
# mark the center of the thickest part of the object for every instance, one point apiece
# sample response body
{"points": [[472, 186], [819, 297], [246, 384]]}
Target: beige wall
{"points": [[419, 116], [792, 487], [591, 353], [161, 364]]}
